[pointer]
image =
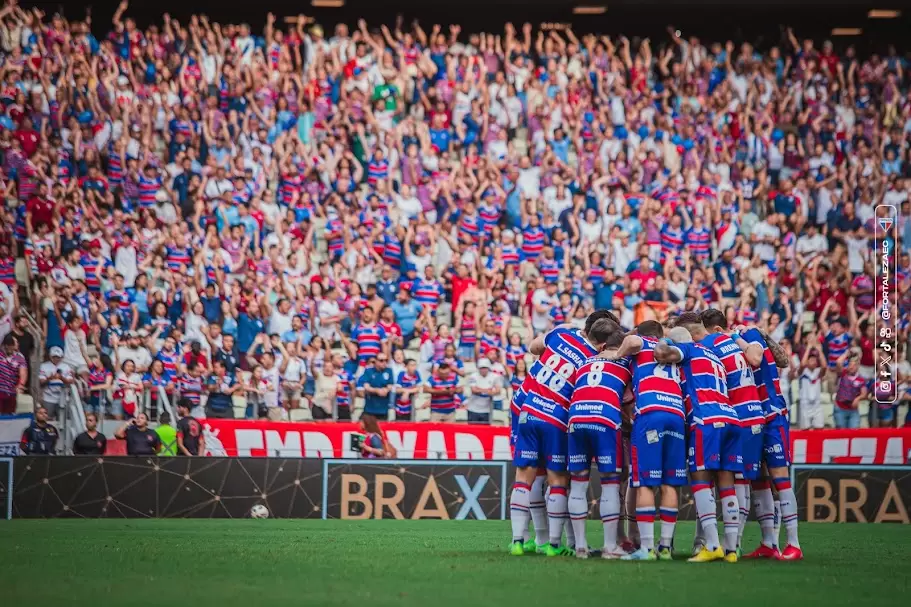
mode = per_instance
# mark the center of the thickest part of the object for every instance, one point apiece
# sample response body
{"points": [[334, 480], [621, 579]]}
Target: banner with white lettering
{"points": [[250, 438], [333, 440]]}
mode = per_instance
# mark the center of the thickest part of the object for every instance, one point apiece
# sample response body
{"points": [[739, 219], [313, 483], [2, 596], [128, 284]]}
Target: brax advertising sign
{"points": [[414, 490]]}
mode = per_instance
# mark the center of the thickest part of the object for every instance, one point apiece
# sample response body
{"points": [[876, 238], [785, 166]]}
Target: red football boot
{"points": [[764, 552], [791, 553]]}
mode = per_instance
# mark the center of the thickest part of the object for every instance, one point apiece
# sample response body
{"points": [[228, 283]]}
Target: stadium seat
{"points": [[300, 415], [25, 404], [499, 418]]}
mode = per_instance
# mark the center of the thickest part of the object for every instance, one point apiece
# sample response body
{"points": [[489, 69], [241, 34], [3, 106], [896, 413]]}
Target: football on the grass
{"points": [[259, 511]]}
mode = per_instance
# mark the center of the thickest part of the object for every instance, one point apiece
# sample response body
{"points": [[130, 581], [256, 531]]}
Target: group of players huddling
{"points": [[706, 409]]}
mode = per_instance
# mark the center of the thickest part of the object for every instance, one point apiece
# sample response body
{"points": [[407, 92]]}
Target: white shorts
{"points": [[811, 416]]}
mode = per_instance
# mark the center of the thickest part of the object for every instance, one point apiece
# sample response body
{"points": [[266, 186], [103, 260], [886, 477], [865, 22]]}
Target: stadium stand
{"points": [[197, 203]]}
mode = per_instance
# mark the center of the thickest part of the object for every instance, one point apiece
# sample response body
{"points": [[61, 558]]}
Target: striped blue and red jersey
{"points": [[557, 315], [288, 187], [468, 332], [549, 383], [377, 170], [369, 339], [98, 184], [427, 293], [169, 360], [443, 403], [671, 241], [490, 216], [769, 383], [403, 402], [91, 266], [343, 390], [513, 354], [741, 384], [836, 346], [656, 385], [549, 269], [115, 169], [8, 271], [178, 256], [191, 388], [705, 386], [532, 243], [490, 342], [378, 245], [470, 225], [335, 235], [599, 385], [705, 192], [511, 255], [98, 375], [392, 251], [596, 275], [124, 302], [148, 188], [699, 242]]}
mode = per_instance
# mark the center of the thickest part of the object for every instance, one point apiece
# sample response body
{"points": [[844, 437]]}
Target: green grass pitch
{"points": [[254, 563]]}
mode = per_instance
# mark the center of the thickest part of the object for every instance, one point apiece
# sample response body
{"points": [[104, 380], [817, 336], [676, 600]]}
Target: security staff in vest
{"points": [[140, 439], [375, 385], [40, 438]]}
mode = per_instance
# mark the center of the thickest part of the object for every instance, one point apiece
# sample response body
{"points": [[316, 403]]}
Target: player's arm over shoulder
{"points": [[539, 342], [782, 359], [752, 351], [668, 353], [630, 346]]}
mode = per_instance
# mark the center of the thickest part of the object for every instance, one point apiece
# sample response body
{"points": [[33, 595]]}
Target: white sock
{"points": [[645, 521], [518, 511], [765, 512], [538, 508], [578, 510], [705, 510], [788, 509], [556, 514], [743, 498], [609, 507], [776, 529], [730, 514], [668, 524]]}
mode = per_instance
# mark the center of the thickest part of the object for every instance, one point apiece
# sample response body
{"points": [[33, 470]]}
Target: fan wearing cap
{"points": [[54, 375], [484, 385]]}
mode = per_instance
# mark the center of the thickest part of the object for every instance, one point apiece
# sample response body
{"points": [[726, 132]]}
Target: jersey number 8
{"points": [[595, 373]]}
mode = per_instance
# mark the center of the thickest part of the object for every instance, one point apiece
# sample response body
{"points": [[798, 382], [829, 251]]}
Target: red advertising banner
{"points": [[878, 446], [329, 440]]}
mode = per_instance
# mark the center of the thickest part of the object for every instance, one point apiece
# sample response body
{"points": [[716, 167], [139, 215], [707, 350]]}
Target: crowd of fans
{"points": [[304, 219]]}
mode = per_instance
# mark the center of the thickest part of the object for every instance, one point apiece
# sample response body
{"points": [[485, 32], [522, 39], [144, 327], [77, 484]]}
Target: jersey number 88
{"points": [[554, 373]]}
